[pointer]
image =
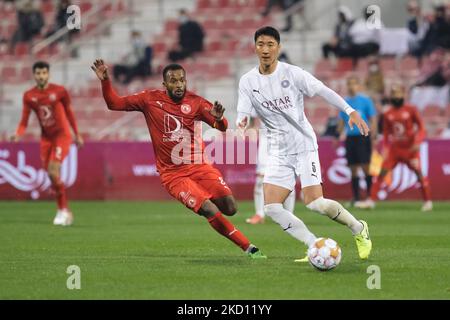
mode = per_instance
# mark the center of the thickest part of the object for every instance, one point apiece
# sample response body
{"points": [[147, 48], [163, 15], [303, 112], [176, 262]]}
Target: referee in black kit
{"points": [[358, 148]]}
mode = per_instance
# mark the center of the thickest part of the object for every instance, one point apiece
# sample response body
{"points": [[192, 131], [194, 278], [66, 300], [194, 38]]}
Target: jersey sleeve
{"points": [[66, 101], [244, 106], [25, 117], [205, 116], [134, 102], [307, 83]]}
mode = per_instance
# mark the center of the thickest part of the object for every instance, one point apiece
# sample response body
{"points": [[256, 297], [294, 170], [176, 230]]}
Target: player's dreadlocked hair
{"points": [[41, 65], [172, 67], [268, 31]]}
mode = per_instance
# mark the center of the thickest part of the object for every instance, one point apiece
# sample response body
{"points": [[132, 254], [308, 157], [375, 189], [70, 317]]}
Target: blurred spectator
{"points": [[283, 57], [190, 38], [375, 79], [438, 34], [285, 5], [434, 66], [440, 77], [29, 20], [418, 27], [135, 63], [61, 21], [365, 41], [341, 42]]}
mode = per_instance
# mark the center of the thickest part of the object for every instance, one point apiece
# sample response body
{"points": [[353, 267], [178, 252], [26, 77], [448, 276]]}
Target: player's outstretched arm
{"points": [[112, 99], [23, 122], [336, 100]]}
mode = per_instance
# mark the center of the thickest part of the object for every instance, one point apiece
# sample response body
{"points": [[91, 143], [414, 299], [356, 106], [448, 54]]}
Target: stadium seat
{"points": [[21, 49], [433, 111], [9, 73]]}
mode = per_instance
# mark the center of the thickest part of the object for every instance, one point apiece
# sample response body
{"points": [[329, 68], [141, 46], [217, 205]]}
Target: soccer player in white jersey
{"points": [[275, 91], [261, 165]]}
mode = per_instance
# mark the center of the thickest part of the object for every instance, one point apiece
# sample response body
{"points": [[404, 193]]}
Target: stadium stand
{"points": [[228, 52]]}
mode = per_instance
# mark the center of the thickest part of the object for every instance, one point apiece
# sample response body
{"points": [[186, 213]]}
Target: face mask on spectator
{"points": [[373, 68], [183, 19]]}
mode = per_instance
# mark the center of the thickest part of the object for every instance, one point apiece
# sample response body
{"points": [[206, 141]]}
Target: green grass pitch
{"points": [[160, 250]]}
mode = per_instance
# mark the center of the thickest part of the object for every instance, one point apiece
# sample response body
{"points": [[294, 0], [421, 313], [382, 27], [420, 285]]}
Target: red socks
{"points": [[425, 187], [228, 230], [61, 197]]}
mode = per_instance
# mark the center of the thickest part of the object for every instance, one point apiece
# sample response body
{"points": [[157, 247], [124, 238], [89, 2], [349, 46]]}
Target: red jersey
{"points": [[175, 128], [402, 127], [52, 108]]}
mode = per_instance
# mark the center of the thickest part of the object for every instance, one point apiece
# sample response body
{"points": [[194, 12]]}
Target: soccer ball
{"points": [[325, 254]]}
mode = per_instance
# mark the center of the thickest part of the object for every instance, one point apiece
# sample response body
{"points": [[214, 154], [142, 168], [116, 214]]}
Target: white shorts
{"points": [[284, 170]]}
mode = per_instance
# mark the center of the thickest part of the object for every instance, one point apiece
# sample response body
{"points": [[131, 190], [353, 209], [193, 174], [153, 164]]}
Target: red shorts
{"points": [[402, 155], [55, 149], [194, 184]]}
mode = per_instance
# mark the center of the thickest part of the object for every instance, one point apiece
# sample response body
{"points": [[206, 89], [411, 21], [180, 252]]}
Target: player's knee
{"points": [[319, 205], [272, 209], [230, 208], [53, 175]]}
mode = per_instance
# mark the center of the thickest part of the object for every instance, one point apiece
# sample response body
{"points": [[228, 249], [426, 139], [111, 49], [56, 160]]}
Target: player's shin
{"points": [[425, 188], [258, 196], [335, 211], [61, 197], [290, 223], [228, 230]]}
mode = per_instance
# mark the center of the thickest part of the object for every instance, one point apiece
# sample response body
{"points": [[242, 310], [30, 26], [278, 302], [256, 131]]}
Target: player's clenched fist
{"points": [[100, 69]]}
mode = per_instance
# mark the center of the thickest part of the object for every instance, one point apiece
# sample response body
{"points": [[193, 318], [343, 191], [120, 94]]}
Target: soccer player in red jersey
{"points": [[52, 106], [171, 116], [403, 132]]}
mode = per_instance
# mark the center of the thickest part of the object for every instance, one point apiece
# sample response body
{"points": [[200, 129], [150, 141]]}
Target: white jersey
{"points": [[277, 99]]}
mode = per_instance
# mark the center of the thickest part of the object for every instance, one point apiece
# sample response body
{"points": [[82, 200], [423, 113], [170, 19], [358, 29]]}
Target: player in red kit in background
{"points": [[52, 106], [403, 132], [171, 117]]}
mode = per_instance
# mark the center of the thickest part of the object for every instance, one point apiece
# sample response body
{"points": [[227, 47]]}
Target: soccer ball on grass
{"points": [[325, 254]]}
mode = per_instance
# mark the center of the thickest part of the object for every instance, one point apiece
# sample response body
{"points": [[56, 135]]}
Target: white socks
{"points": [[258, 196], [290, 223], [335, 211]]}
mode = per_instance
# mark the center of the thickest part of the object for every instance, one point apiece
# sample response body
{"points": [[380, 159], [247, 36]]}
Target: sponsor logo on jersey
{"points": [[285, 83], [173, 128], [185, 108], [277, 104]]}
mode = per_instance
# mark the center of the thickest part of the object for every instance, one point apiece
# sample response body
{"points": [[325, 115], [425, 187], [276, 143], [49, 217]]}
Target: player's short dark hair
{"points": [[172, 67], [268, 31], [41, 65]]}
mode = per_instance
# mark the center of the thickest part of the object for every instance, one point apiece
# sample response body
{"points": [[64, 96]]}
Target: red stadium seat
{"points": [[214, 46], [21, 49], [171, 25], [433, 111], [9, 73]]}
